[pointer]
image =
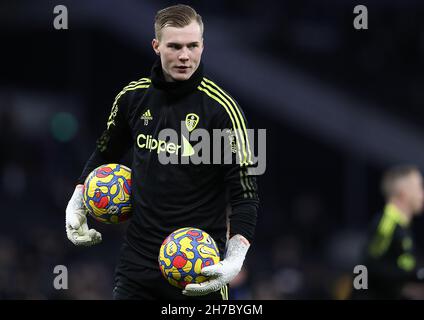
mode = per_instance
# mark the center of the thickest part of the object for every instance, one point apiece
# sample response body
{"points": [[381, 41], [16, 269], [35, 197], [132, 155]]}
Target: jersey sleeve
{"points": [[115, 140], [241, 184]]}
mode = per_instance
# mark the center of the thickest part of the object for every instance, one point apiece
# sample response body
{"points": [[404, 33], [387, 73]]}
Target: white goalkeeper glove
{"points": [[224, 271], [76, 221]]}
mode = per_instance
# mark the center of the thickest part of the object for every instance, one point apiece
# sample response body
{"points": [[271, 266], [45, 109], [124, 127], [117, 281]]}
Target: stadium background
{"points": [[339, 106]]}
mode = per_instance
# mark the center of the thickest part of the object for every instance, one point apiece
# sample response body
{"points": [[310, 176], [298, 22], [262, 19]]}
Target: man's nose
{"points": [[183, 54]]}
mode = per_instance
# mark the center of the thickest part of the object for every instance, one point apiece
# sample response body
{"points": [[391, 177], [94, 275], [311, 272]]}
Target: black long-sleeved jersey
{"points": [[389, 256], [169, 196]]}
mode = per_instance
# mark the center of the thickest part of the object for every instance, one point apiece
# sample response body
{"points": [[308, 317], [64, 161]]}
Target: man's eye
{"points": [[193, 46]]}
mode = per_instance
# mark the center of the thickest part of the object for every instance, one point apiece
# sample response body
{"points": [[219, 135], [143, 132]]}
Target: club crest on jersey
{"points": [[147, 116], [191, 121]]}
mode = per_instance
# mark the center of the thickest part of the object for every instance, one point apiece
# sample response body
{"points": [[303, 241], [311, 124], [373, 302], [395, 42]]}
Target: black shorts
{"points": [[133, 281]]}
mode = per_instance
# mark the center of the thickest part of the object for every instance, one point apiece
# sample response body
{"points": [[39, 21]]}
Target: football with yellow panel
{"points": [[184, 253], [107, 193]]}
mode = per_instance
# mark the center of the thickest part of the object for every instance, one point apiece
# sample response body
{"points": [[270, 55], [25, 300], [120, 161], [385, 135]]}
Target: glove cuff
{"points": [[76, 201], [237, 248]]}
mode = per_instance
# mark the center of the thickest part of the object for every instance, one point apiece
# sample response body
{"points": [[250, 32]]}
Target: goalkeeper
{"points": [[168, 197]]}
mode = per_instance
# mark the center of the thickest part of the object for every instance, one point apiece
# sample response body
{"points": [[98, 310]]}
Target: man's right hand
{"points": [[76, 221]]}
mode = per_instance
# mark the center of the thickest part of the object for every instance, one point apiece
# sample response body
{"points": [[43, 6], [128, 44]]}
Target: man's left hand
{"points": [[224, 271]]}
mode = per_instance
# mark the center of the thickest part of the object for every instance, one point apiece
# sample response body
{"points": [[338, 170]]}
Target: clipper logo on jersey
{"points": [[158, 145], [147, 116], [191, 121], [150, 143]]}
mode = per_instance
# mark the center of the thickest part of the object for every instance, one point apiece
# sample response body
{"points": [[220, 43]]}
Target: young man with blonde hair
{"points": [[168, 197]]}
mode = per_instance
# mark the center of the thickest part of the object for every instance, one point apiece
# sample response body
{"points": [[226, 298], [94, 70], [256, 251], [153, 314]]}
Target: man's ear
{"points": [[155, 46]]}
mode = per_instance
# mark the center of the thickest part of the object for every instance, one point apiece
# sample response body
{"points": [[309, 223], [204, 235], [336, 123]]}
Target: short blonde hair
{"points": [[393, 175], [178, 16]]}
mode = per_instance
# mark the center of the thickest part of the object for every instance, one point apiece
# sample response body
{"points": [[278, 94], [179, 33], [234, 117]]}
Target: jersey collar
{"points": [[177, 88]]}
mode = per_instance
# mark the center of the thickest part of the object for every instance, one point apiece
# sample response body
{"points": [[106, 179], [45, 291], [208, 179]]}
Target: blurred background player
{"points": [[389, 251], [172, 196]]}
